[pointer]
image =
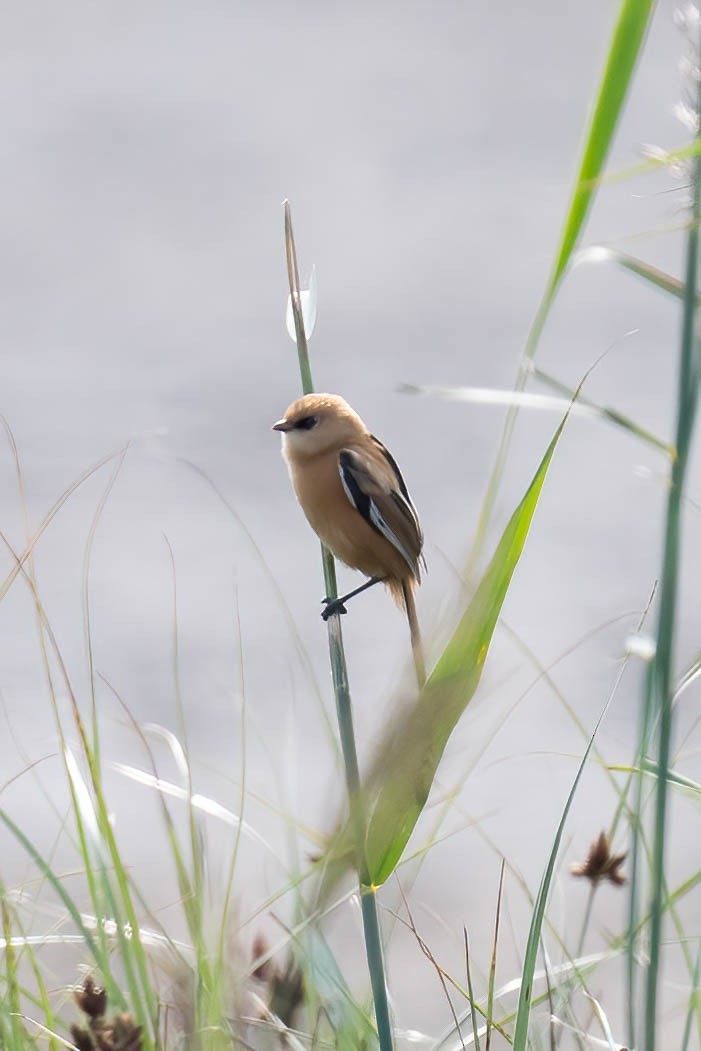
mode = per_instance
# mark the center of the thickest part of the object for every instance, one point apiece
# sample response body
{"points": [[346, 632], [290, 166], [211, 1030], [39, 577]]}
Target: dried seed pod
{"points": [[600, 863], [91, 1000], [82, 1039]]}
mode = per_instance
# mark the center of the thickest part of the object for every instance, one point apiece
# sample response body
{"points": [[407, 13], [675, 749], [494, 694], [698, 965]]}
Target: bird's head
{"points": [[318, 423]]}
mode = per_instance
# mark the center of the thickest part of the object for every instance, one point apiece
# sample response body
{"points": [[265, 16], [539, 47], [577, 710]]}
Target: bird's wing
{"points": [[377, 491]]}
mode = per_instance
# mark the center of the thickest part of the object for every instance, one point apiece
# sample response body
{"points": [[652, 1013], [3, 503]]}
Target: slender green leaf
{"points": [[409, 761], [473, 1006], [55, 882], [353, 1029], [535, 931], [694, 998], [660, 159], [626, 43], [660, 693], [652, 274], [493, 964], [12, 995], [673, 778]]}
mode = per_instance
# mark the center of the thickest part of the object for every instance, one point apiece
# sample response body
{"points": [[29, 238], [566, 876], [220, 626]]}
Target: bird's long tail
{"points": [[416, 643]]}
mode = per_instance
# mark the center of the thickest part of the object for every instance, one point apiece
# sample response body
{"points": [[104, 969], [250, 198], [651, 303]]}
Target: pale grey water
{"points": [[428, 152]]}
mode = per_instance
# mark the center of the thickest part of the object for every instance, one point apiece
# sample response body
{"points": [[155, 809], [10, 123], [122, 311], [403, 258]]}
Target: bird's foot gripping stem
{"points": [[332, 606], [338, 605]]}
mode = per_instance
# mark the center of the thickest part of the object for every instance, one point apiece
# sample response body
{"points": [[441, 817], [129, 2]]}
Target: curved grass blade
{"points": [[693, 1003], [626, 45], [352, 1028], [659, 279], [606, 413], [692, 788], [534, 934], [11, 997], [473, 1010], [541, 402], [60, 890], [408, 761]]}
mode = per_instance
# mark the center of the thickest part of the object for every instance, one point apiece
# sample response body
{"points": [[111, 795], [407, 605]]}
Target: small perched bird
{"points": [[355, 499]]}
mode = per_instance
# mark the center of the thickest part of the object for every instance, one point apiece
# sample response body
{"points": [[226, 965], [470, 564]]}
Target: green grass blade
{"points": [[694, 997], [660, 695], [535, 931], [352, 1027], [471, 995], [653, 275], [12, 986], [11, 1000], [48, 519], [660, 159], [626, 44], [51, 878], [409, 761], [493, 964], [693, 788]]}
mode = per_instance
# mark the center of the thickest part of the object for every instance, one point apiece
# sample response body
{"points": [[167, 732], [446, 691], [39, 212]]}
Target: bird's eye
{"points": [[307, 422]]}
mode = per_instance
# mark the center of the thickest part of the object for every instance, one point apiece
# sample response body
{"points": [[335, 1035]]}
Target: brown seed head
{"points": [[127, 1035], [600, 863], [82, 1039], [91, 999], [120, 1034]]}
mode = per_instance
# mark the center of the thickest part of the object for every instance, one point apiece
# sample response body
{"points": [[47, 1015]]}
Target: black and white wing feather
{"points": [[378, 492]]}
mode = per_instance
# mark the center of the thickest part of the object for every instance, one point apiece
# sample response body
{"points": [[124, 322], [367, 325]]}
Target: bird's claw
{"points": [[332, 606]]}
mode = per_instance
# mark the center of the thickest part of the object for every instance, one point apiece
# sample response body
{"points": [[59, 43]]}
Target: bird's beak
{"points": [[283, 425]]}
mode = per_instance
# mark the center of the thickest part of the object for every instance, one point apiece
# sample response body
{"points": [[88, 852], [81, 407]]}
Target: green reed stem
{"points": [[660, 686], [344, 710], [625, 46]]}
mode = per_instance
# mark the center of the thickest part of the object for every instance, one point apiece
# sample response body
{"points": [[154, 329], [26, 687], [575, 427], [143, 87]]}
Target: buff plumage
{"points": [[354, 497]]}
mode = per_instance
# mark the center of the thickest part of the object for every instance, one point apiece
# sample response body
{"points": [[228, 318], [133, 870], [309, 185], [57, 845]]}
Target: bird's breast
{"points": [[338, 524]]}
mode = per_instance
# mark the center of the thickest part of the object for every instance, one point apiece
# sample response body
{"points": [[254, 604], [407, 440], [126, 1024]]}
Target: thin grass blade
{"points": [[408, 761], [659, 279], [626, 44], [658, 712], [473, 1010], [694, 1002], [624, 50], [493, 964], [352, 1027], [536, 927], [58, 887], [12, 985]]}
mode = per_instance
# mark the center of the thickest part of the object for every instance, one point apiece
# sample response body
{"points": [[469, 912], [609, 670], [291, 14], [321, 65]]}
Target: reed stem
{"points": [[660, 685], [344, 710]]}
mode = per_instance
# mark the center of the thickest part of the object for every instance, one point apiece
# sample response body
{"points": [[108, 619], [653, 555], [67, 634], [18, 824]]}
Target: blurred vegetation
{"points": [[144, 989]]}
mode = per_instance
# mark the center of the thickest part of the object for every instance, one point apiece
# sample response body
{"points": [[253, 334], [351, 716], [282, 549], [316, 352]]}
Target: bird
{"points": [[355, 499]]}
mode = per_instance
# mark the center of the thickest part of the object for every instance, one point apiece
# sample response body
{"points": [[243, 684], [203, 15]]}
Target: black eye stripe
{"points": [[306, 423]]}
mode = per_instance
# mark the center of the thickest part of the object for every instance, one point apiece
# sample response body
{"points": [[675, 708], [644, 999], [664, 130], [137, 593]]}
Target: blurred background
{"points": [[428, 151]]}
